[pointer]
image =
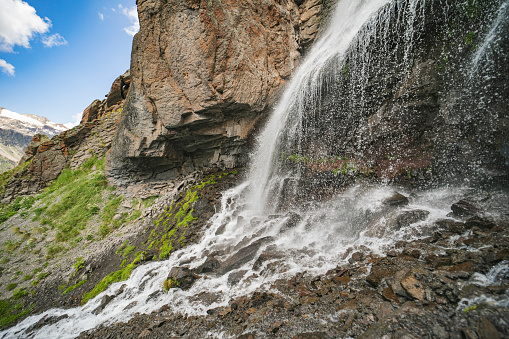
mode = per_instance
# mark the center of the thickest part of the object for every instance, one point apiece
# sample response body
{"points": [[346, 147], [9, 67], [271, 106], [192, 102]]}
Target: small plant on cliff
{"points": [[169, 283]]}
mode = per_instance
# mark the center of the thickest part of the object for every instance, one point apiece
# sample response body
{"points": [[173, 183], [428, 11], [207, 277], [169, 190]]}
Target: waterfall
{"points": [[302, 95], [330, 109]]}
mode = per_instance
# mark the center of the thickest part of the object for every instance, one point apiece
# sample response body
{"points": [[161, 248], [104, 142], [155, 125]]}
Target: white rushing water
{"points": [[302, 94], [312, 238]]}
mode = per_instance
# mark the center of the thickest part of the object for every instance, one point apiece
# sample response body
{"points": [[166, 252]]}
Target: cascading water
{"points": [[330, 110]]}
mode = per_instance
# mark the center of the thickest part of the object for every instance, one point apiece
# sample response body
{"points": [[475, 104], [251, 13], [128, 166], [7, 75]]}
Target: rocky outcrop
{"points": [[204, 74], [114, 99], [45, 158]]}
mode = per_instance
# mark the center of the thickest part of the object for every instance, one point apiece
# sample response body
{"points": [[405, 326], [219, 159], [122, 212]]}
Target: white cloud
{"points": [[53, 40], [18, 24], [101, 16], [132, 14], [6, 67], [76, 119]]}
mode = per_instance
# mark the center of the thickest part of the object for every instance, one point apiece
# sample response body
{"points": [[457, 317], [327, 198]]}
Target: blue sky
{"points": [[57, 56]]}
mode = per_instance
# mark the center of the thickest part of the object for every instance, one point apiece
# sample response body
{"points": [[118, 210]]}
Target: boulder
{"points": [[180, 277], [397, 199]]}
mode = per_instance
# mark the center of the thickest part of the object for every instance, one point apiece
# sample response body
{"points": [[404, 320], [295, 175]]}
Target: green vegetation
{"points": [[19, 293], [7, 176], [169, 283], [470, 308], [7, 211], [111, 278], [77, 194], [11, 286], [28, 277], [169, 230], [149, 201], [73, 287], [40, 277], [78, 264], [10, 312]]}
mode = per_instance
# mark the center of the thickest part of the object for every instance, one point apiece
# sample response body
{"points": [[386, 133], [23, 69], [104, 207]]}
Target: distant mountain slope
{"points": [[16, 131]]}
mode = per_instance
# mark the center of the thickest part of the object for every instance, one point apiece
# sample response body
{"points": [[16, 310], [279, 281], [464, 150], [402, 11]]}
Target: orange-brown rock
{"points": [[114, 99], [203, 74]]}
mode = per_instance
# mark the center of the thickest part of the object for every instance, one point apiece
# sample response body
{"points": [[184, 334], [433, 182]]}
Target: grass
{"points": [[11, 286], [40, 277], [70, 201], [73, 287], [10, 312], [120, 275], [7, 211]]}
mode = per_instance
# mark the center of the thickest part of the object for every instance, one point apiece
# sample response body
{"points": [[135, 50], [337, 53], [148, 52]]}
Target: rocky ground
{"points": [[453, 284]]}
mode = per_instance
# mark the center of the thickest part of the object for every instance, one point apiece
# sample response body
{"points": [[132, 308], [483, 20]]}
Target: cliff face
{"points": [[203, 75]]}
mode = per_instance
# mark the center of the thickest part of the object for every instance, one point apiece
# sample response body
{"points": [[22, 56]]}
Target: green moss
{"points": [[111, 278], [10, 312], [19, 293], [170, 283], [11, 286], [73, 287], [470, 308], [128, 250]]}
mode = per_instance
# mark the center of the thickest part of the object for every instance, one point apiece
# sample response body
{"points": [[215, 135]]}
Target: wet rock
{"points": [[356, 257], [243, 256], [404, 334], [210, 265], [293, 220], [451, 225], [311, 335], [46, 321], [480, 221], [486, 329], [235, 277], [379, 273], [407, 218], [267, 255], [413, 287], [180, 277], [275, 328], [104, 301], [464, 208], [396, 282], [438, 261], [396, 200]]}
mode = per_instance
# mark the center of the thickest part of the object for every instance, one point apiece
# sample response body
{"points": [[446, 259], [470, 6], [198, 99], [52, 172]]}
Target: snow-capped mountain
{"points": [[16, 131]]}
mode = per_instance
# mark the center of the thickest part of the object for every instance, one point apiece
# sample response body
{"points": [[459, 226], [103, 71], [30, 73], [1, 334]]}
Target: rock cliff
{"points": [[204, 74]]}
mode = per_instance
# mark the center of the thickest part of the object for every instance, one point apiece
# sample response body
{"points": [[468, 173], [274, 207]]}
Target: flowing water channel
{"points": [[313, 236]]}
